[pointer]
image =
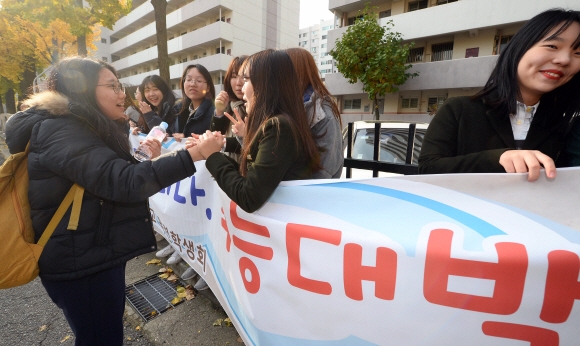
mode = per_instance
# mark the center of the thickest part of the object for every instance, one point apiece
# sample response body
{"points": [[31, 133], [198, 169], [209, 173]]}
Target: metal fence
{"points": [[375, 165]]}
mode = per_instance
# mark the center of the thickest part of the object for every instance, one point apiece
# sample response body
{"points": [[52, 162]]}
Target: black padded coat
{"points": [[114, 224]]}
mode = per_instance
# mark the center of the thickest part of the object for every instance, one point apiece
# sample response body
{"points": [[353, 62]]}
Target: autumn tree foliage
{"points": [[37, 33], [373, 54]]}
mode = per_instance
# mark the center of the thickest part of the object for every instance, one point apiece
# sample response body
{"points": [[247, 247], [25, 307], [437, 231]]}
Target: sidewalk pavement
{"points": [[28, 317], [191, 322]]}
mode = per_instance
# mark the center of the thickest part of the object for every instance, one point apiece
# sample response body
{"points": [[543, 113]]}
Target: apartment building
{"points": [[457, 43], [315, 40], [206, 32]]}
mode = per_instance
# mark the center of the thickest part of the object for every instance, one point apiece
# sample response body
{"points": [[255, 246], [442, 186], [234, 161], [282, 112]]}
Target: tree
{"points": [[160, 8], [374, 55], [81, 20]]}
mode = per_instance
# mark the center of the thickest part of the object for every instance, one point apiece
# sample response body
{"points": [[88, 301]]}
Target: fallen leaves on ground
{"points": [[42, 328], [189, 292], [138, 328], [154, 261], [172, 278], [175, 301], [240, 339], [218, 322], [66, 337], [228, 322], [164, 276], [129, 338]]}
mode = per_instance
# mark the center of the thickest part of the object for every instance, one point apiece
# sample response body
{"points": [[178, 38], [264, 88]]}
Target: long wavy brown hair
{"points": [[308, 74], [276, 94]]}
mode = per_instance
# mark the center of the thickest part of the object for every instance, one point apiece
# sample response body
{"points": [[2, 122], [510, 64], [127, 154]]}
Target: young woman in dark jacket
{"points": [[196, 108], [78, 134], [278, 145], [158, 103], [516, 124]]}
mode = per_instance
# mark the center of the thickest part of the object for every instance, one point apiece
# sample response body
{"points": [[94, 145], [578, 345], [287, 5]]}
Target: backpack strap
{"points": [[74, 197]]}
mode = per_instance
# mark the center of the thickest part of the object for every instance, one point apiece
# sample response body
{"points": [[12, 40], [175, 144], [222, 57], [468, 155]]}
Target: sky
{"points": [[312, 11]]}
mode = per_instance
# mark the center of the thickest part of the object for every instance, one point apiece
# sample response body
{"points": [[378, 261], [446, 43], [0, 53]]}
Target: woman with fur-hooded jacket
{"points": [[78, 134]]}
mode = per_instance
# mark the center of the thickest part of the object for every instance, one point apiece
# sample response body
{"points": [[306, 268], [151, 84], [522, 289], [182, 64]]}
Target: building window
{"points": [[472, 52], [323, 54], [330, 27], [411, 102], [223, 50], [443, 2], [503, 42], [314, 32], [229, 52], [324, 37], [417, 5], [105, 59], [323, 45], [228, 20], [351, 20], [385, 14], [434, 102], [416, 54], [103, 40], [313, 49], [352, 104], [314, 41], [443, 51]]}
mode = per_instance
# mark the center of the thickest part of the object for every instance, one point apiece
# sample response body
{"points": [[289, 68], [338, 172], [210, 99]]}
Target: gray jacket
{"points": [[327, 133]]}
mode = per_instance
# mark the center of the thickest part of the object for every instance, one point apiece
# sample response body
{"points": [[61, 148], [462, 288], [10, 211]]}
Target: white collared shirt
{"points": [[522, 120]]}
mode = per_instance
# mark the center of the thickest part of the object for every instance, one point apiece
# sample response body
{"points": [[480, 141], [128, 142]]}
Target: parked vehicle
{"points": [[394, 139]]}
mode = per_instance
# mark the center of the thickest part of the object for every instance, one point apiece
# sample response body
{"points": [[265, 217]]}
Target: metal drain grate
{"points": [[152, 296]]}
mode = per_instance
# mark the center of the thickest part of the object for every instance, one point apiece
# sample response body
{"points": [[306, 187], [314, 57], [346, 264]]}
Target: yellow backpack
{"points": [[19, 261]]}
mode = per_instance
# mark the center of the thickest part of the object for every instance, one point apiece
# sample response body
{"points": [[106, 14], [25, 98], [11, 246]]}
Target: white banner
{"points": [[487, 259]]}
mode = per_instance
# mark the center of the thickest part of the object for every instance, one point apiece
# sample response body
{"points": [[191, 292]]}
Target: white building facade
{"points": [[315, 40], [456, 46], [206, 32]]}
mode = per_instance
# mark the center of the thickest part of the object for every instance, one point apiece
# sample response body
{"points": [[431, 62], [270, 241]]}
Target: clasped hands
{"points": [[205, 144]]}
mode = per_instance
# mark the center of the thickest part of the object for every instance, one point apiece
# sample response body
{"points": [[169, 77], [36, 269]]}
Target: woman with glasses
{"points": [[78, 134], [278, 145], [158, 104], [197, 107]]}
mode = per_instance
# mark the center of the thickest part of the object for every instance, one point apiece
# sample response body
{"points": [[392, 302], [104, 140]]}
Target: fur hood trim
{"points": [[50, 101]]}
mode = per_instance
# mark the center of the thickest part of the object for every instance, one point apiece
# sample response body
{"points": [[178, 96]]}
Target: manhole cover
{"points": [[152, 296]]}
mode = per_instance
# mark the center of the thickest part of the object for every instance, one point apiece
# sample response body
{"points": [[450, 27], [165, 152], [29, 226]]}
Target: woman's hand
{"points": [[178, 136], [239, 125], [154, 147], [135, 131], [210, 142], [221, 102], [531, 161], [144, 106], [191, 141]]}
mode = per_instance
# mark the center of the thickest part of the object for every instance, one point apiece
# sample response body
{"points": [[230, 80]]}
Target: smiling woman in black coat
{"points": [[78, 134]]}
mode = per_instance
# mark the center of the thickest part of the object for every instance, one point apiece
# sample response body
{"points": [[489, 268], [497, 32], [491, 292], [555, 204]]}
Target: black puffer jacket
{"points": [[115, 223]]}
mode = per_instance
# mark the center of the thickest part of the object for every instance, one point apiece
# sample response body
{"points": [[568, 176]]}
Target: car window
{"points": [[393, 145]]}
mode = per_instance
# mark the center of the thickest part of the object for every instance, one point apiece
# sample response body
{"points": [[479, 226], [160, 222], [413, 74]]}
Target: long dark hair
{"points": [[233, 69], [308, 75], [208, 95], [77, 79], [502, 89], [276, 93], [168, 96]]}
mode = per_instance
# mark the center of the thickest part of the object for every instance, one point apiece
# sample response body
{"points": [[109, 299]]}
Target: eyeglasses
{"points": [[194, 81], [117, 86]]}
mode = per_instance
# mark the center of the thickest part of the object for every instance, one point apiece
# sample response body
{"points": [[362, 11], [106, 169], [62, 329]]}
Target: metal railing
{"points": [[378, 166]]}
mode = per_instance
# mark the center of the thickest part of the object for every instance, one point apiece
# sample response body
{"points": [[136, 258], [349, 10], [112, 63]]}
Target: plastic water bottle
{"points": [[158, 132]]}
